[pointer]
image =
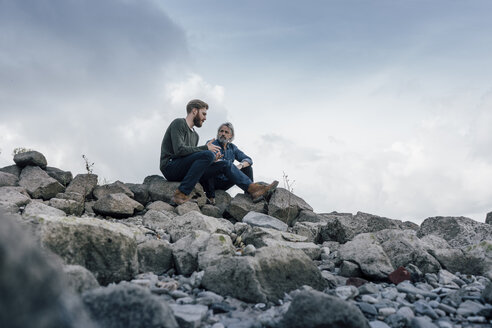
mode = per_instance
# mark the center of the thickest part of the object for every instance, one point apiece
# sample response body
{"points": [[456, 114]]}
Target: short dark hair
{"points": [[196, 103]]}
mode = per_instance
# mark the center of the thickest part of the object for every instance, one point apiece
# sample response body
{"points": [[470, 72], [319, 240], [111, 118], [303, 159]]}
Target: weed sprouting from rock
{"points": [[88, 164]]}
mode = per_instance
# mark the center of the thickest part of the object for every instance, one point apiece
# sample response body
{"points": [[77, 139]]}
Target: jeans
{"points": [[188, 169], [234, 176]]}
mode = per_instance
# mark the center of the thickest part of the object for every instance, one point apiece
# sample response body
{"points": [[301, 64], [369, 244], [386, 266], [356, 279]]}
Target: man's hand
{"points": [[212, 147]]}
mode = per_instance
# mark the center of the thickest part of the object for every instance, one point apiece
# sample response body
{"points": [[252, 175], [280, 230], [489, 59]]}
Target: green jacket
{"points": [[179, 140]]}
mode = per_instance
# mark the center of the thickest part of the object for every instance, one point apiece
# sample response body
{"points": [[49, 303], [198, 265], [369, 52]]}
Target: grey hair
{"points": [[230, 126]]}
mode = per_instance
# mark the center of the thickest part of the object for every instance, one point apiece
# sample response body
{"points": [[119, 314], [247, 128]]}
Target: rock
{"points": [[488, 219], [487, 293], [189, 315], [69, 206], [140, 192], [186, 207], [83, 184], [468, 308], [407, 287], [39, 184], [32, 284], [108, 250], [30, 158], [157, 220], [457, 231], [399, 275], [264, 277], [265, 221], [475, 259], [191, 221], [222, 200], [160, 206], [117, 187], [309, 216], [344, 227], [79, 198], [38, 209], [286, 206], [79, 278], [368, 254], [311, 309], [117, 206], [421, 322], [217, 246], [350, 269], [161, 189], [12, 169], [311, 230], [13, 198], [63, 177], [155, 256], [186, 249], [128, 305], [243, 204], [8, 180], [211, 210], [403, 247], [346, 292]]}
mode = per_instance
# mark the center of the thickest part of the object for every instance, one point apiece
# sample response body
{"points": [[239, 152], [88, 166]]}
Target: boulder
{"points": [[161, 189], [186, 207], [83, 184], [8, 180], [79, 198], [69, 206], [30, 158], [128, 305], [211, 210], [79, 278], [344, 227], [33, 289], [403, 247], [457, 231], [185, 251], [312, 309], [265, 277], [155, 255], [12, 169], [189, 315], [155, 220], [182, 225], [286, 206], [160, 206], [117, 187], [488, 219], [265, 221], [37, 209], [140, 192], [13, 197], [108, 250], [243, 204], [310, 230], [39, 184], [222, 200], [63, 177], [218, 245], [117, 206], [309, 216], [365, 250]]}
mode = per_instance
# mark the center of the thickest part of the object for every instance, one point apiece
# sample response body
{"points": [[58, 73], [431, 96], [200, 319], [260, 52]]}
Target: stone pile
{"points": [[120, 255]]}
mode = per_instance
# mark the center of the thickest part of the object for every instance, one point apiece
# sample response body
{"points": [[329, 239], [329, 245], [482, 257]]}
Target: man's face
{"points": [[224, 135], [200, 117]]}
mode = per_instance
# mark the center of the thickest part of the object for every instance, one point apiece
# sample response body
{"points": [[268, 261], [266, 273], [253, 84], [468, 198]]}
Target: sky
{"points": [[379, 106]]}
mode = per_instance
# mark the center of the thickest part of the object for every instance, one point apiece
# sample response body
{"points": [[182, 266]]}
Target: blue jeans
{"points": [[188, 169], [222, 183], [234, 176]]}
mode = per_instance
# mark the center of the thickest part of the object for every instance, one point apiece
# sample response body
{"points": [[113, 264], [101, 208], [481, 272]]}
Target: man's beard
{"points": [[223, 140], [197, 122]]}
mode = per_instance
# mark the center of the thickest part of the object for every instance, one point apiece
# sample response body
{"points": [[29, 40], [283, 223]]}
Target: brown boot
{"points": [[259, 191], [180, 198]]}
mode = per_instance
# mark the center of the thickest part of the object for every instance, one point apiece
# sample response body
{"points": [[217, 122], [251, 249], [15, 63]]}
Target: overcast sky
{"points": [[377, 106]]}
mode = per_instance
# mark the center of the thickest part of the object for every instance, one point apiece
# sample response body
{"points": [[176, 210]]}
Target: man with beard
{"points": [[230, 152], [182, 160]]}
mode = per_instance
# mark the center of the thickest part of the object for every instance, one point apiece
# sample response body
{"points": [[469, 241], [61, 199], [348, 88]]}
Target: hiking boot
{"points": [[180, 198], [260, 191], [211, 201]]}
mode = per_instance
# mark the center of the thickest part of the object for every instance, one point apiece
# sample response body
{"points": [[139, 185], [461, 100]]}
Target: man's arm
{"points": [[241, 157]]}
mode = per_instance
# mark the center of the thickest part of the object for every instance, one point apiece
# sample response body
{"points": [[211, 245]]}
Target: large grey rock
{"points": [[69, 206], [37, 209], [155, 256], [488, 219], [117, 187], [155, 220], [186, 207], [108, 250], [186, 249], [13, 197], [39, 184], [7, 179], [161, 189], [159, 205], [403, 247], [140, 192], [365, 250], [117, 206], [265, 221], [83, 184], [311, 230], [189, 315], [211, 210], [128, 305], [79, 278], [487, 293], [286, 206], [217, 246], [63, 177], [241, 205], [457, 231], [265, 277], [222, 200], [182, 225], [33, 289], [12, 169], [313, 309], [30, 158], [344, 227]]}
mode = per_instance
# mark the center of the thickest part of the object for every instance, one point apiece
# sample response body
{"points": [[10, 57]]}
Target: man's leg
{"points": [[256, 190], [209, 179], [248, 171], [188, 169]]}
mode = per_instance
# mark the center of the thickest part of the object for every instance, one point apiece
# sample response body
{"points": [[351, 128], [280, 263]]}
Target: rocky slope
{"points": [[74, 253]]}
